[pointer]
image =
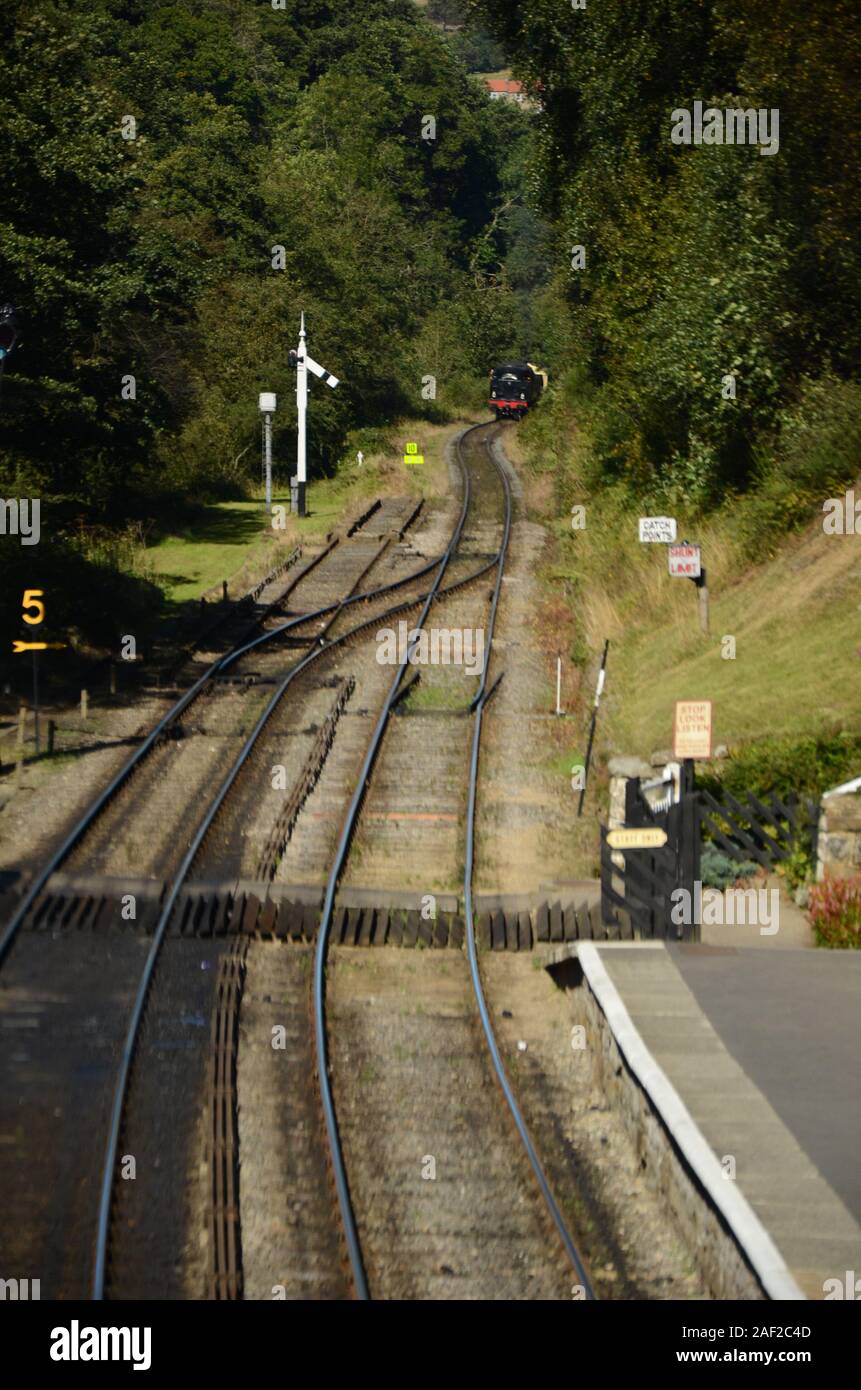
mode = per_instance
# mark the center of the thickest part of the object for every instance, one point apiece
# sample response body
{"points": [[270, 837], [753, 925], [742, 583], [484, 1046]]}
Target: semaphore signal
{"points": [[299, 359]]}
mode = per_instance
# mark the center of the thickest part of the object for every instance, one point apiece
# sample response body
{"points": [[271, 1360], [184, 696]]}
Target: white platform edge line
{"points": [[749, 1232]]}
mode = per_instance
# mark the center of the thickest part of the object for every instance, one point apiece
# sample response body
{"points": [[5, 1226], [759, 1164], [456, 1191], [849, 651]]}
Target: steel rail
{"points": [[124, 1070], [222, 664], [348, 1218], [478, 705]]}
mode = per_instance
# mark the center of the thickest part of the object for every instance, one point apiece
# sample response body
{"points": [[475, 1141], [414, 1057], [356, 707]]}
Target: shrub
{"points": [[717, 870], [813, 456], [806, 765], [835, 912]]}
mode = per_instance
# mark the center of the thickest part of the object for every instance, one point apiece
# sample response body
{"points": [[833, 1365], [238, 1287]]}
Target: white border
{"points": [[757, 1245]]}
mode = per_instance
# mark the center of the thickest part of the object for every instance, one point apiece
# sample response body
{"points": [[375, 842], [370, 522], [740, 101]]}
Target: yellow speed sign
{"points": [[643, 837]]}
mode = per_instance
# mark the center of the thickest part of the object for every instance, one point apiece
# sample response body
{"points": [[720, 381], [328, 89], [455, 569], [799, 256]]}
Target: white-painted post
{"points": [[559, 685], [304, 364], [302, 409]]}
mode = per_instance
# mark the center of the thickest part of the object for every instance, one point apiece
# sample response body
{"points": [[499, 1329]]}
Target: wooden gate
{"points": [[638, 891], [637, 885]]}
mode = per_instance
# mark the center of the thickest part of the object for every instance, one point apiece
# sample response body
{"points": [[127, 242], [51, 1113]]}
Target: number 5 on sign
{"points": [[33, 599]]}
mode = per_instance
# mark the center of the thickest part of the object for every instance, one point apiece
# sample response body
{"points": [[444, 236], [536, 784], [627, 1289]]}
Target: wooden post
{"points": [[224, 591], [19, 744], [52, 728], [704, 608], [689, 849], [598, 688], [113, 679], [85, 700]]}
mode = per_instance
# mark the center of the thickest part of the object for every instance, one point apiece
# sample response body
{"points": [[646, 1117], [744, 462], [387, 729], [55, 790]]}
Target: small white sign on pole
{"points": [[685, 561], [661, 529]]}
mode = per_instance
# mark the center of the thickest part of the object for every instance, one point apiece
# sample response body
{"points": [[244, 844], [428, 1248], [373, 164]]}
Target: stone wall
{"points": [[839, 848], [701, 1227]]}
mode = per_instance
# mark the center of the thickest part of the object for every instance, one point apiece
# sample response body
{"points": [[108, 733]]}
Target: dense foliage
{"points": [[805, 767], [156, 257], [701, 261], [255, 128]]}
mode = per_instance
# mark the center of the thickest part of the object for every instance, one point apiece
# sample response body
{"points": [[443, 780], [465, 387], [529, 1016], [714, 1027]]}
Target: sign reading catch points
{"points": [[661, 529], [637, 837], [685, 561], [692, 731], [412, 454]]}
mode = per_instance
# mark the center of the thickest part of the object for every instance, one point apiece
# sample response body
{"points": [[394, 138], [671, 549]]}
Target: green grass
{"points": [[428, 694], [213, 546], [226, 537], [784, 590], [791, 676], [795, 616]]}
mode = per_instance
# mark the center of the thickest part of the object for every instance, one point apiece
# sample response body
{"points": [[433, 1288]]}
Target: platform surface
{"points": [[761, 1047]]}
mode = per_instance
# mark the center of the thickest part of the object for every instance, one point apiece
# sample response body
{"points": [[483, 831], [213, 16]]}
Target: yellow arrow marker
{"points": [[647, 837], [35, 646], [412, 454]]}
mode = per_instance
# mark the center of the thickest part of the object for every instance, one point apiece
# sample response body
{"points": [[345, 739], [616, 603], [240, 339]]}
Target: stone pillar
{"points": [[621, 771], [839, 847]]}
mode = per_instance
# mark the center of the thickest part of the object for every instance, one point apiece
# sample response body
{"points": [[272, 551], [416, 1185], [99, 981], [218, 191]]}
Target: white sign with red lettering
{"points": [[692, 729], [685, 561]]}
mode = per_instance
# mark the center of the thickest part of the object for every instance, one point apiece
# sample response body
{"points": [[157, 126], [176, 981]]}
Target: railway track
{"points": [[326, 633], [484, 693]]}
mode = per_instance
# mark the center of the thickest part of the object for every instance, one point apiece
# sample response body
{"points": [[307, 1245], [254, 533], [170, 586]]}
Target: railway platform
{"points": [[747, 1057]]}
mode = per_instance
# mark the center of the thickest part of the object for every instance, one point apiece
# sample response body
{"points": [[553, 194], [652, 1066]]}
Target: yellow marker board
{"points": [[412, 454], [18, 646], [643, 837]]}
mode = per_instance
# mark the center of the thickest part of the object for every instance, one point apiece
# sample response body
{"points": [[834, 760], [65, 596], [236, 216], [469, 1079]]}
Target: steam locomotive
{"points": [[514, 387]]}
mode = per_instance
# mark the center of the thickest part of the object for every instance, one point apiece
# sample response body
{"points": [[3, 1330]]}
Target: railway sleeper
{"points": [[267, 912]]}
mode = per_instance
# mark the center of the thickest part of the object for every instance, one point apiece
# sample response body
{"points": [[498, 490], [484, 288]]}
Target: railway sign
{"points": [[637, 837], [685, 561], [36, 646], [412, 454], [692, 729], [304, 364], [660, 529]]}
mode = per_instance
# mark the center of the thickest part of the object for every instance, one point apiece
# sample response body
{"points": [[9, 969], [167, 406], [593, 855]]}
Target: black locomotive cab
{"points": [[514, 387]]}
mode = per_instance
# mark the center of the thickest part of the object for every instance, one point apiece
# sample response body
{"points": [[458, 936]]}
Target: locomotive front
{"points": [[514, 387]]}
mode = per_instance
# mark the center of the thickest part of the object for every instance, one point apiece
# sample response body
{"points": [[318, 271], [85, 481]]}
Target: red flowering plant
{"points": [[835, 912]]}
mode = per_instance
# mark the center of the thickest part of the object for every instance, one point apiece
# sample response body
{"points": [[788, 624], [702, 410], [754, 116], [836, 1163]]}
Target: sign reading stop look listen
{"points": [[692, 731]]}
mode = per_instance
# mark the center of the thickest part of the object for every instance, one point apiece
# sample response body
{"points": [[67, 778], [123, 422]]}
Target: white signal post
{"points": [[304, 364]]}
